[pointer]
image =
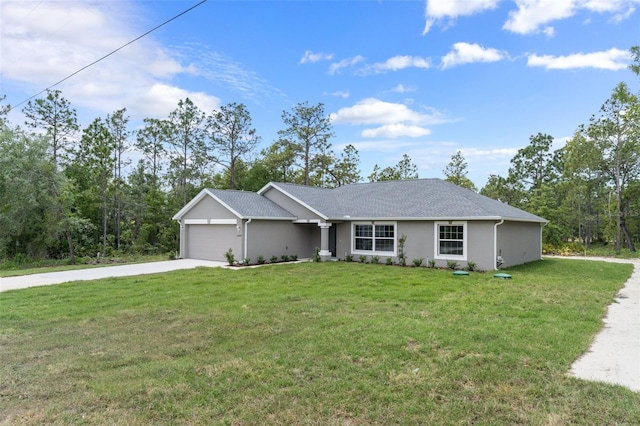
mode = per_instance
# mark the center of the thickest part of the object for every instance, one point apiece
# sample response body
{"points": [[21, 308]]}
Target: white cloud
{"points": [[375, 111], [395, 131], [337, 66], [397, 63], [45, 42], [436, 10], [384, 145], [612, 59], [478, 154], [467, 53], [532, 15], [160, 99], [310, 57], [340, 94], [401, 88]]}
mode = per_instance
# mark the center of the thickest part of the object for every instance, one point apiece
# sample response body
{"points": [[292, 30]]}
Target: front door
{"points": [[332, 239]]}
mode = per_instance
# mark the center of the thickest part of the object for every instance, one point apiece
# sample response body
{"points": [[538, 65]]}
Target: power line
{"points": [[109, 54]]}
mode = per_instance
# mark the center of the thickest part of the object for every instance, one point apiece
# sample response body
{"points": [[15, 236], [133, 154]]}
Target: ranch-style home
{"points": [[440, 220]]}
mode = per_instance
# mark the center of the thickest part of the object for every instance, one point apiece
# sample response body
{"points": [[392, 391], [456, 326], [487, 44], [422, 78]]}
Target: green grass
{"points": [[11, 269], [315, 343]]}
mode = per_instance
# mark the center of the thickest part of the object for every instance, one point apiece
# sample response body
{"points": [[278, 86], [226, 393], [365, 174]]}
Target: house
{"points": [[441, 221]]}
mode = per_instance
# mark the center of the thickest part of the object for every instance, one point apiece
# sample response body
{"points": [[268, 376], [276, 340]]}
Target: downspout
{"points": [[495, 244], [246, 249], [541, 228]]}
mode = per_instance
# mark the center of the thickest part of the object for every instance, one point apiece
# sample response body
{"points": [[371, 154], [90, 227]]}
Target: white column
{"points": [[325, 254], [183, 240]]}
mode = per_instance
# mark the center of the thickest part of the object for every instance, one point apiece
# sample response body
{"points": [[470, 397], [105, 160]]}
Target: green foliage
{"points": [[431, 263], [417, 262], [294, 257], [348, 258], [261, 260], [363, 258], [404, 170], [274, 259], [402, 255], [389, 261], [452, 264], [375, 259], [471, 266], [316, 255], [246, 261], [456, 172], [231, 259], [284, 258]]}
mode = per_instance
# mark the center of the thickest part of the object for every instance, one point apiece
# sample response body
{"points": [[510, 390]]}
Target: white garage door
{"points": [[210, 242]]}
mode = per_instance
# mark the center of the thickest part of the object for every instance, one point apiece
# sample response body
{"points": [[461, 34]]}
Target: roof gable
{"points": [[243, 204]]}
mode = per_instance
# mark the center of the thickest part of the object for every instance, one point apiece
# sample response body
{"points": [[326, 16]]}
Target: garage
{"points": [[210, 242]]}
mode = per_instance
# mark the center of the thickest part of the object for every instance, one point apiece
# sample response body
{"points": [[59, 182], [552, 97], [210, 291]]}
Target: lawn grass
{"points": [[313, 343]]}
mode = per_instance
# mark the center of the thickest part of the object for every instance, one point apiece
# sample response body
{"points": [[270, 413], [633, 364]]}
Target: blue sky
{"points": [[425, 78]]}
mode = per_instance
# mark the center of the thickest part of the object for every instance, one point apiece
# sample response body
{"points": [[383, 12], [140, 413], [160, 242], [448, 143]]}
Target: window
{"points": [[451, 242], [374, 238]]}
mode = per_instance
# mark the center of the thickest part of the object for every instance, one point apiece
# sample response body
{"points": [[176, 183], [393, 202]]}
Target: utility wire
{"points": [[109, 54]]}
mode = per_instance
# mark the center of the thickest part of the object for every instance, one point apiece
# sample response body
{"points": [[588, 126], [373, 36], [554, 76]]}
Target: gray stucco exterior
{"points": [[442, 222]]}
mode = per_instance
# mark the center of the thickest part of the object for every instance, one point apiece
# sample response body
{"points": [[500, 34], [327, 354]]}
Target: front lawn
{"points": [[314, 343]]}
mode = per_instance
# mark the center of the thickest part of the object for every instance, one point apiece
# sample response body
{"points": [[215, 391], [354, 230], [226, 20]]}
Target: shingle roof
{"points": [[405, 199], [250, 204]]}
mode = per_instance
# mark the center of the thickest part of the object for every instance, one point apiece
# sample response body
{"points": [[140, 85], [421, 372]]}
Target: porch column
{"points": [[183, 240], [325, 254]]}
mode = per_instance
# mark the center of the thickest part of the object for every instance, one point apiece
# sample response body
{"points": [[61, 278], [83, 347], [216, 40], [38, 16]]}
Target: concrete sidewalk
{"points": [[614, 355], [49, 278]]}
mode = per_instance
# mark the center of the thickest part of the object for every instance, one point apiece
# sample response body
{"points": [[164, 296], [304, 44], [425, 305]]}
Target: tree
{"points": [[616, 135], [232, 137], [4, 110], [280, 159], [635, 66], [456, 172], [307, 133], [56, 118], [28, 219], [404, 170], [117, 126], [186, 132], [532, 165], [95, 154], [151, 141], [345, 169]]}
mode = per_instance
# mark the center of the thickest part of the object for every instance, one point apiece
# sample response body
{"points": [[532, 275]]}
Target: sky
{"points": [[423, 78]]}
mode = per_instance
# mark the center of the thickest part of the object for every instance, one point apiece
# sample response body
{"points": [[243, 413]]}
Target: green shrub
{"points": [[471, 266], [316, 255], [402, 256], [284, 258], [389, 261], [363, 258], [452, 264], [274, 259], [431, 263], [294, 257], [348, 258], [230, 257], [375, 259], [246, 261], [260, 260], [418, 262]]}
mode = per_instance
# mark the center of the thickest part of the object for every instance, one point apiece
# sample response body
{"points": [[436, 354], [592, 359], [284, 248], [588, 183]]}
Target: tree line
{"points": [[68, 192]]}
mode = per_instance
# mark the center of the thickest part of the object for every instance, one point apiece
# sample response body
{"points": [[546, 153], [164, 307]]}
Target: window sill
{"points": [[374, 253]]}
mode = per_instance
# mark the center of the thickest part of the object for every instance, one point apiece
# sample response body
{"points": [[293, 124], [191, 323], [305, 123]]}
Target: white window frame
{"points": [[436, 238], [374, 252]]}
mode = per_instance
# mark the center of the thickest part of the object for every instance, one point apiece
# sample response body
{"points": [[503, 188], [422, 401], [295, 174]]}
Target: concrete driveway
{"points": [[48, 278], [614, 355]]}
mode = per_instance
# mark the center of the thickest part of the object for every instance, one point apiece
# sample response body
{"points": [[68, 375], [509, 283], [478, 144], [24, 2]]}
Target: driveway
{"points": [[25, 281], [614, 354]]}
